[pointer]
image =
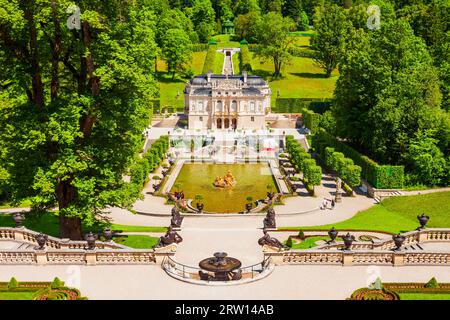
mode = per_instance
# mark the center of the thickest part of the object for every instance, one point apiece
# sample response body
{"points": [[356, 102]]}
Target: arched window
{"points": [[233, 106], [252, 106], [219, 106]]}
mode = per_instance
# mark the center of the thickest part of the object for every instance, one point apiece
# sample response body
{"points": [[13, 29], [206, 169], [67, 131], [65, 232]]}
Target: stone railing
{"points": [[64, 251], [377, 253], [86, 257], [349, 258], [411, 238], [28, 236]]}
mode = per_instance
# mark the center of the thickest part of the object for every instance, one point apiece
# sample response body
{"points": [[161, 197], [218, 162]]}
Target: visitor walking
{"points": [[324, 204], [332, 204]]}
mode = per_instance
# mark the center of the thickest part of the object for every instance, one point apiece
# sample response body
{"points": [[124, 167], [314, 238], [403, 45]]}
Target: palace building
{"points": [[227, 101]]}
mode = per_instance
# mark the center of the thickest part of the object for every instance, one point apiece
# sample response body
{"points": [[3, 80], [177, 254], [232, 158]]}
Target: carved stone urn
{"points": [[41, 239], [18, 219], [398, 240], [108, 233], [333, 234], [248, 206], [90, 239], [348, 240], [423, 219], [200, 207]]}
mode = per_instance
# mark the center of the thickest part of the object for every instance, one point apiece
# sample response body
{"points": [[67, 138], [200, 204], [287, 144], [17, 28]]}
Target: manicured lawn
{"points": [[251, 180], [224, 41], [48, 223], [11, 295], [236, 60], [398, 214], [137, 241], [218, 63], [424, 296], [309, 242], [125, 228], [301, 79]]}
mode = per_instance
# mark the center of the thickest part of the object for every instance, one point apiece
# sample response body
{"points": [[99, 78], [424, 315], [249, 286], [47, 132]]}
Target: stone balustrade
{"points": [[349, 258], [64, 251], [84, 257], [28, 236], [378, 253]]}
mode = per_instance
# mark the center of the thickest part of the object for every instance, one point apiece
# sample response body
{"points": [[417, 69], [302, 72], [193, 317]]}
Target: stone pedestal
{"points": [[18, 235], [423, 236], [399, 259], [348, 259], [338, 196], [41, 257], [91, 257]]}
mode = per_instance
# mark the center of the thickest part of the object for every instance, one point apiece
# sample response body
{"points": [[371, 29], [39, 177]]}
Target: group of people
{"points": [[328, 204]]}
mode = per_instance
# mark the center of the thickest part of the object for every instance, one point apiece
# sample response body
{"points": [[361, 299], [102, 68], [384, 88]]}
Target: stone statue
{"points": [[269, 220], [169, 238], [177, 219], [270, 241]]}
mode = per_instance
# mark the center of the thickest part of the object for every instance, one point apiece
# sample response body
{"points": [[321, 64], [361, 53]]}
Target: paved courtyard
{"points": [[286, 282]]}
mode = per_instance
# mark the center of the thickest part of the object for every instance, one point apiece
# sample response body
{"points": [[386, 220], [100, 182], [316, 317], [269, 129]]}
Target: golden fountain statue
{"points": [[227, 181]]}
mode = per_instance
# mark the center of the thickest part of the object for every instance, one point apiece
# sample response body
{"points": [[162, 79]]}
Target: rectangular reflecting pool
{"points": [[251, 179]]}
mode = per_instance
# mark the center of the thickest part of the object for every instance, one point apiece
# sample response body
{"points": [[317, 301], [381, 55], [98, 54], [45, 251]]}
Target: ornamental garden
{"points": [[224, 142]]}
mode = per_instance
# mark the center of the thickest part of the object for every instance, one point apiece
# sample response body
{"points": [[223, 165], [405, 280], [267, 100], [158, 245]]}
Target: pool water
{"points": [[251, 180]]}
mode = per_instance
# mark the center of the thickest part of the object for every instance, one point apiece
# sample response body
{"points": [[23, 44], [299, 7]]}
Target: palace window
{"points": [[252, 119], [219, 106], [200, 119], [233, 106], [252, 106], [200, 106]]}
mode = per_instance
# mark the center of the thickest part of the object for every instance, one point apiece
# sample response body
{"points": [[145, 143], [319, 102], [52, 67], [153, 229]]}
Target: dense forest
{"points": [[74, 100]]}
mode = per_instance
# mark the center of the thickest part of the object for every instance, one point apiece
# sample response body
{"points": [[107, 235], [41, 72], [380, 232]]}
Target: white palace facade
{"points": [[227, 102]]}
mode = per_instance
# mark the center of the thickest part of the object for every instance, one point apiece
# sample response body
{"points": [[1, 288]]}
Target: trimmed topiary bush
{"points": [[12, 284], [56, 283], [432, 283]]}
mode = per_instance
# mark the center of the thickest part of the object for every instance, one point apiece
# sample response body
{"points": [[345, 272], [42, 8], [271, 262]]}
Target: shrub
{"points": [[328, 156], [311, 120], [432, 283], [336, 160], [210, 59], [301, 235], [56, 283], [289, 242], [13, 284], [314, 175], [245, 62]]}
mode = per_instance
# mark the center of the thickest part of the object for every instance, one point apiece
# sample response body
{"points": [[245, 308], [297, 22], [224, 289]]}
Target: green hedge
{"points": [[245, 60], [210, 59], [303, 162], [380, 176], [149, 162], [296, 105], [311, 120]]}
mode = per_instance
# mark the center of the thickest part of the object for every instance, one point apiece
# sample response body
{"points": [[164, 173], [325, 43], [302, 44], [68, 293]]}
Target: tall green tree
{"points": [[176, 50], [387, 90], [274, 40], [331, 27], [202, 17], [79, 98], [246, 26]]}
